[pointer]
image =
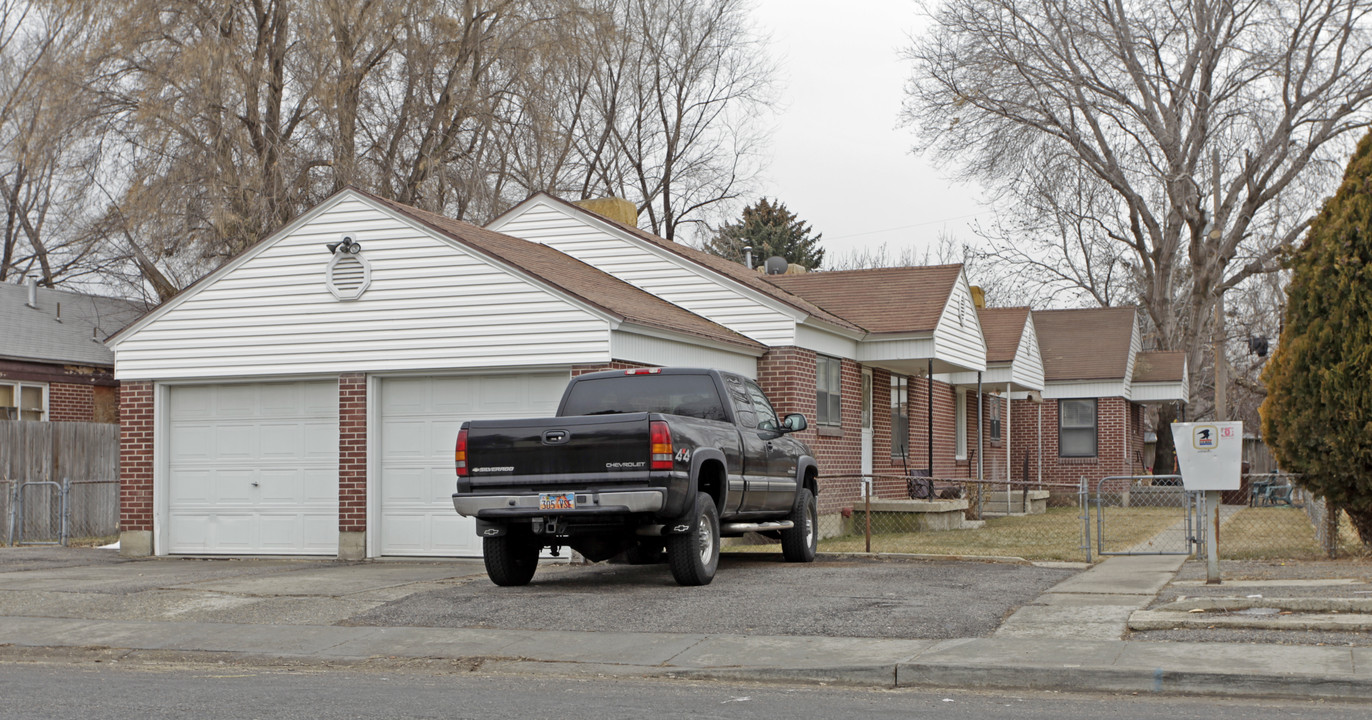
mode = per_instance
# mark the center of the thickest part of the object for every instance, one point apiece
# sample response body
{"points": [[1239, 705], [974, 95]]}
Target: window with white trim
{"points": [[900, 416], [995, 419], [960, 425], [23, 401], [828, 391], [1077, 428]]}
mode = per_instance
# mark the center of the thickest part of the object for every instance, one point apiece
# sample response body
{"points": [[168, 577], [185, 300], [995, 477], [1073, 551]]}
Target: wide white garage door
{"points": [[253, 468], [419, 420]]}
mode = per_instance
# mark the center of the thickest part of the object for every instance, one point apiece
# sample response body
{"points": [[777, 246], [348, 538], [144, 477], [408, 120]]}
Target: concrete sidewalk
{"points": [[1068, 640]]}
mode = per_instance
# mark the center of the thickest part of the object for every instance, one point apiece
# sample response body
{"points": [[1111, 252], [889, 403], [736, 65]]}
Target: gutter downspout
{"points": [[929, 435]]}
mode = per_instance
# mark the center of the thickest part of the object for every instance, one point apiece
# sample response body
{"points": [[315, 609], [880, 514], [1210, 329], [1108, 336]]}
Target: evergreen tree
{"points": [[770, 229], [1317, 417]]}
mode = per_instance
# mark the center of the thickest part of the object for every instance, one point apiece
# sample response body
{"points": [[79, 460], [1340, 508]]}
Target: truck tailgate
{"points": [[545, 451]]}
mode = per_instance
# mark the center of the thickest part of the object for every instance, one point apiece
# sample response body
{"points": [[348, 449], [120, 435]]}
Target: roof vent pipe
{"points": [[748, 256], [33, 292]]}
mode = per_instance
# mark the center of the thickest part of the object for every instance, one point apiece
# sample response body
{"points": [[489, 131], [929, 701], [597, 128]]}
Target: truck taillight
{"points": [[460, 453], [660, 436]]}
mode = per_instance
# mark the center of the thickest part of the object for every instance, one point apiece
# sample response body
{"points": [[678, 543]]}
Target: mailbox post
{"points": [[1211, 459]]}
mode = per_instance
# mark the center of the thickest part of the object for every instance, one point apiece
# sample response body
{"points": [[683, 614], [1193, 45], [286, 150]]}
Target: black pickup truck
{"points": [[639, 463]]}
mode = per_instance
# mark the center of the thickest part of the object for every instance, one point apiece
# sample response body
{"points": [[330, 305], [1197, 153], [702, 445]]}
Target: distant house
{"points": [[54, 365], [1097, 382]]}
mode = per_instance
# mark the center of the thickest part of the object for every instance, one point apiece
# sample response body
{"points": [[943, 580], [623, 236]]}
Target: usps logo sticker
{"points": [[1205, 437]]}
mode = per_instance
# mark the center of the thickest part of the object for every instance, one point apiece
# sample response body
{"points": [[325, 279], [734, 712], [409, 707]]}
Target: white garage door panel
{"points": [[253, 468], [420, 417]]}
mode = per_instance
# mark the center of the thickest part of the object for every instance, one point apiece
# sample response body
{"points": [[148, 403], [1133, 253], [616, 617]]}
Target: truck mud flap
{"points": [[489, 529]]}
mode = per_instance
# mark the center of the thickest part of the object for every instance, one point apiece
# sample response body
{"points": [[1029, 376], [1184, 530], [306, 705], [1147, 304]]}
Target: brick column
{"points": [[136, 469], [352, 466]]}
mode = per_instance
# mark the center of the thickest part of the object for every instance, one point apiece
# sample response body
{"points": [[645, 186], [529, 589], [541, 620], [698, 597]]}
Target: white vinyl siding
{"points": [[430, 305], [252, 468], [419, 420], [1077, 428], [634, 347], [1027, 367], [957, 339], [653, 270], [1135, 347], [1083, 388]]}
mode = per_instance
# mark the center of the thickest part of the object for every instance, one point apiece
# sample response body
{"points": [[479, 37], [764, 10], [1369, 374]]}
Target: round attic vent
{"points": [[348, 274]]}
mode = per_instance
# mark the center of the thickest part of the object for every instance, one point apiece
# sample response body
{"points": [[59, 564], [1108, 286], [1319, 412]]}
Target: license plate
{"points": [[557, 501]]}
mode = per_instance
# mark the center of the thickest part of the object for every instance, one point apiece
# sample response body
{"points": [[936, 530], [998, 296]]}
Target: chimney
{"points": [[33, 292], [617, 209], [978, 297]]}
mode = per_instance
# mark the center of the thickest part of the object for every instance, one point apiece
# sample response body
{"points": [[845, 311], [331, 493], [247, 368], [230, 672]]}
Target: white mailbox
{"points": [[1210, 454]]}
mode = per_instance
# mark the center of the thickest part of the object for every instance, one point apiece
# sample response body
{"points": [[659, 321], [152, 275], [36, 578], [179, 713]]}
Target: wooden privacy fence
{"points": [[58, 480]]}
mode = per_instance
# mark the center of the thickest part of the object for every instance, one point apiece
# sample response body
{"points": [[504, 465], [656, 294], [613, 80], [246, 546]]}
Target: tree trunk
{"points": [[1362, 522], [1165, 451]]}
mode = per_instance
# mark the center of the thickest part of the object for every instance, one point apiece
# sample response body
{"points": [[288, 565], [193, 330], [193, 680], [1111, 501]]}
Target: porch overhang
{"points": [[1159, 392], [912, 355]]}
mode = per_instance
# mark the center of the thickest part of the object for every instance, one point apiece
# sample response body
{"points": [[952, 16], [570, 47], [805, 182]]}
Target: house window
{"points": [[900, 416], [995, 419], [828, 390], [23, 401], [960, 426], [1077, 428]]}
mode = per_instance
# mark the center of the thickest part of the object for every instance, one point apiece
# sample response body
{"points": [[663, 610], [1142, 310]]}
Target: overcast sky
{"points": [[839, 159]]}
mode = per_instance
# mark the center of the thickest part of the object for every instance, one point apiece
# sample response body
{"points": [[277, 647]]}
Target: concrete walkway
{"points": [[1067, 640], [1096, 604]]}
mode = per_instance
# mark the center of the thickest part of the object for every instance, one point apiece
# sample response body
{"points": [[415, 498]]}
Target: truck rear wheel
{"points": [[694, 556], [799, 543], [511, 559]]}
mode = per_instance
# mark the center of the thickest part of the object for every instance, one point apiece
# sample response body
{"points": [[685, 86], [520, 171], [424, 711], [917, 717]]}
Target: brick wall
{"points": [[71, 403], [1119, 441], [352, 452], [136, 456]]}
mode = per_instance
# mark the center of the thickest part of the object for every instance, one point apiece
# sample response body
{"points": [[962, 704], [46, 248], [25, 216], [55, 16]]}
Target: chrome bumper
{"points": [[633, 500]]}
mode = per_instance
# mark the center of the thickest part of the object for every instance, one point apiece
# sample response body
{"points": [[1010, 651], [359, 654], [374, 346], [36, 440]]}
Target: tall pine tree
{"points": [[771, 230], [1317, 417]]}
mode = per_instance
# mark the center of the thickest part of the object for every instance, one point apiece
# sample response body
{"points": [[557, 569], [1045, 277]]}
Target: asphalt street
{"points": [[36, 691], [755, 594]]}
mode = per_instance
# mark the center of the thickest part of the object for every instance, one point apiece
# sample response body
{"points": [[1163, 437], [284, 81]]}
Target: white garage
{"points": [[419, 419], [305, 397], [253, 468]]}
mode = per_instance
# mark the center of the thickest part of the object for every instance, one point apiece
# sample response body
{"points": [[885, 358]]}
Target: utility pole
{"points": [[1212, 497]]}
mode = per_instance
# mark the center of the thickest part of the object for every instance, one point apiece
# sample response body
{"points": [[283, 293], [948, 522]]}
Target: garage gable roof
{"points": [[573, 277], [720, 267]]}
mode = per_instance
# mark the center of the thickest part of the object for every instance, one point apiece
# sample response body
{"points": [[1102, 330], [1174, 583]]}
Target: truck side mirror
{"points": [[795, 422]]}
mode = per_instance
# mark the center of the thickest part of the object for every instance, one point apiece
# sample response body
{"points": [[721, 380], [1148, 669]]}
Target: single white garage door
{"points": [[419, 420], [253, 468]]}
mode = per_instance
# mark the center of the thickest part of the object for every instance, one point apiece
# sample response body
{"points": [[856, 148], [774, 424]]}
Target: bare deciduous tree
{"points": [[1097, 123]]}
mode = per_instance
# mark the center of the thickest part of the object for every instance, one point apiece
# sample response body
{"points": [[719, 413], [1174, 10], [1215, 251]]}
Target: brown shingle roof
{"points": [[1160, 366], [574, 277], [1002, 328], [1085, 344], [734, 271], [881, 300]]}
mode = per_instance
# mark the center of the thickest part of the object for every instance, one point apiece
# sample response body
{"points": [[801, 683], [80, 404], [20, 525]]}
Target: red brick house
{"points": [[840, 345], [1097, 382], [54, 365]]}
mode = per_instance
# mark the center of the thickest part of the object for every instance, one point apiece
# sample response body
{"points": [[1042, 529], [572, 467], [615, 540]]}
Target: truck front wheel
{"points": [[799, 543], [510, 558], [694, 556]]}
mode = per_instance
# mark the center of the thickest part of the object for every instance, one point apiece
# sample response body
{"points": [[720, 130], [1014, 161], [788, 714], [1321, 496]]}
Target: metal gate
{"points": [[1146, 515], [38, 513]]}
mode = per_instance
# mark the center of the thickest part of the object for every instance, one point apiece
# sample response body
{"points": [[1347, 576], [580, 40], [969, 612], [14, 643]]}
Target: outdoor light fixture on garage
{"points": [[349, 274]]}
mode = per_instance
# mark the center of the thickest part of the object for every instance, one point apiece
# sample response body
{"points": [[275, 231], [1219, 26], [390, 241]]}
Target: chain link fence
{"points": [[1269, 517]]}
